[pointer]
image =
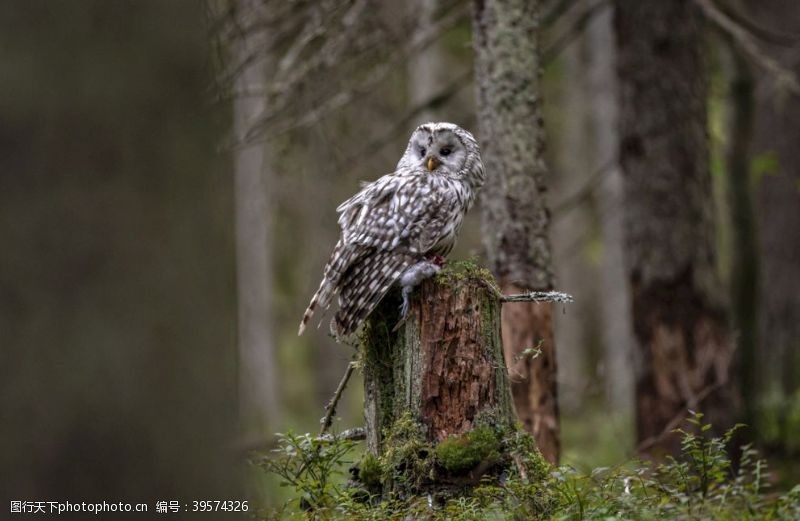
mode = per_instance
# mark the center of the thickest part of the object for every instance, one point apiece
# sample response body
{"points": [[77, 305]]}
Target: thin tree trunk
{"points": [[515, 216], [603, 121], [679, 318], [573, 229], [776, 139], [425, 69], [744, 273], [258, 389]]}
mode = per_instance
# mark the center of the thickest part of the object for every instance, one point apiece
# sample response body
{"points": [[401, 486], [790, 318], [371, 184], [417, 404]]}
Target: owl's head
{"points": [[446, 149]]}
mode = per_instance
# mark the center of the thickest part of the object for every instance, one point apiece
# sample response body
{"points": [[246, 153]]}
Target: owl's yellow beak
{"points": [[433, 163]]}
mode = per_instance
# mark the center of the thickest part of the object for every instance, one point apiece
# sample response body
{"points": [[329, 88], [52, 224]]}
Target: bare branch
{"points": [[765, 34], [330, 408], [440, 98], [556, 11], [673, 424], [582, 194], [538, 296], [744, 40], [294, 68], [354, 434], [575, 26], [334, 101]]}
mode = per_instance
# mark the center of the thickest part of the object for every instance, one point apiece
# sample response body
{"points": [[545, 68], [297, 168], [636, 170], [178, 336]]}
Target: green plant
{"points": [[310, 465], [703, 482]]}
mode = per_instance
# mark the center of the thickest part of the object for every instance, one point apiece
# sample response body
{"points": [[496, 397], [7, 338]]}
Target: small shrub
{"points": [[310, 465]]}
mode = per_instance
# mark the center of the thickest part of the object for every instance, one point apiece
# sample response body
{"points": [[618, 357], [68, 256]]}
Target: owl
{"points": [[398, 229]]}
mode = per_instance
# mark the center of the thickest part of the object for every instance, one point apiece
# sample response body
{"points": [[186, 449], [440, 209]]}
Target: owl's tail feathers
{"points": [[340, 258], [308, 314], [321, 298]]}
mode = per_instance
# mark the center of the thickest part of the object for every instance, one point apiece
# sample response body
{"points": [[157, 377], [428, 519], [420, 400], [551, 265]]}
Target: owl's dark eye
{"points": [[422, 151], [445, 151]]}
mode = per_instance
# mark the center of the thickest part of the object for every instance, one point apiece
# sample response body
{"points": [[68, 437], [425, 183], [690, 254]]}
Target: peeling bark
{"points": [[679, 313], [441, 365], [533, 378]]}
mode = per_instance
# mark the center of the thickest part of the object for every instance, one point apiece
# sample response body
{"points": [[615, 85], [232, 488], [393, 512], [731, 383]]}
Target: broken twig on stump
{"points": [[538, 296], [330, 408]]}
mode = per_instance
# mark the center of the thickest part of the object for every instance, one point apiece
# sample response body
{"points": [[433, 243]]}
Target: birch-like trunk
{"points": [[258, 388], [603, 93], [573, 232]]}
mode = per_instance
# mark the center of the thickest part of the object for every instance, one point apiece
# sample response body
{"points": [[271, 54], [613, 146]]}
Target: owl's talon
{"points": [[438, 260], [404, 307], [399, 324]]}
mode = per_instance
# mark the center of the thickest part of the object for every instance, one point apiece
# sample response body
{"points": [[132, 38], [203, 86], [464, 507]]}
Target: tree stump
{"points": [[439, 413]]}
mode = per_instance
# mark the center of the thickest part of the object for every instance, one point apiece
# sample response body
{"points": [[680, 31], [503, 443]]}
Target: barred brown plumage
{"points": [[398, 221]]}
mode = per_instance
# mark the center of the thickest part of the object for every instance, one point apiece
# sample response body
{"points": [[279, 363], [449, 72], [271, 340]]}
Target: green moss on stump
{"points": [[461, 454], [457, 271], [407, 459], [410, 464], [370, 473], [522, 445]]}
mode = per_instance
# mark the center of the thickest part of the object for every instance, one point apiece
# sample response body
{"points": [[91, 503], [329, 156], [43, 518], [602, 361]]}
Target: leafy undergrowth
{"points": [[702, 483]]}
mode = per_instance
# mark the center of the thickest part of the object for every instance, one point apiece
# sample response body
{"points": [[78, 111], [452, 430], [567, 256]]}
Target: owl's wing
{"points": [[361, 216], [398, 213], [390, 234], [347, 252], [386, 227]]}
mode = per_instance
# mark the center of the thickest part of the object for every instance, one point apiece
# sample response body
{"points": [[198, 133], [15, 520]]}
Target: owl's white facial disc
{"points": [[437, 149]]}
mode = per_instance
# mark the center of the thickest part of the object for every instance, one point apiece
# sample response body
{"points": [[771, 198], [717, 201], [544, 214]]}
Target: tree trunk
{"points": [[679, 318], [744, 255], [425, 69], [436, 384], [777, 158], [515, 216], [258, 388], [573, 231], [603, 121]]}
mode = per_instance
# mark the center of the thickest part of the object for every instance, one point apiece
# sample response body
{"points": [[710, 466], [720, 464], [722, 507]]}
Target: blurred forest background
{"points": [[169, 173]]}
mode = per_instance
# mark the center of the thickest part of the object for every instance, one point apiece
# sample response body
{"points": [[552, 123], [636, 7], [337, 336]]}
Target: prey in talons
{"points": [[412, 278]]}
